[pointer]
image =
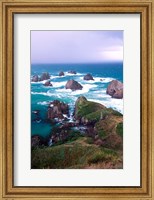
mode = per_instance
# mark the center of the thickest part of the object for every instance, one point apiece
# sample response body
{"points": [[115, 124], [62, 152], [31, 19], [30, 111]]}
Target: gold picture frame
{"points": [[10, 7]]}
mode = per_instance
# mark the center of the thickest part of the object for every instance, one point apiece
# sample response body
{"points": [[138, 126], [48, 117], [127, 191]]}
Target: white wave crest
{"points": [[85, 89], [43, 103], [97, 80], [58, 84]]}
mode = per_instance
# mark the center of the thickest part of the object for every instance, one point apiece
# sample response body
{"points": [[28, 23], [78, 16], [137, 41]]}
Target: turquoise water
{"points": [[92, 90]]}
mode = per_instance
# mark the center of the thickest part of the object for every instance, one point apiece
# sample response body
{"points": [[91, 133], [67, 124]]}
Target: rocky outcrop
{"points": [[88, 77], [61, 73], [73, 85], [35, 78], [45, 76], [47, 83], [88, 111], [72, 72], [115, 89], [101, 122], [57, 109]]}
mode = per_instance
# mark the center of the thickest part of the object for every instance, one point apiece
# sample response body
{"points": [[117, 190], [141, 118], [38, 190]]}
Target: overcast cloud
{"points": [[76, 46]]}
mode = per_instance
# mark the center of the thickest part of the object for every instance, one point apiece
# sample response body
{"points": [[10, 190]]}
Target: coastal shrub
{"points": [[119, 129], [73, 135]]}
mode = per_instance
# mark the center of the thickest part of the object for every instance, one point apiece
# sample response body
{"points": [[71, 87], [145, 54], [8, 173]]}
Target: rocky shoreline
{"points": [[90, 119], [92, 124]]}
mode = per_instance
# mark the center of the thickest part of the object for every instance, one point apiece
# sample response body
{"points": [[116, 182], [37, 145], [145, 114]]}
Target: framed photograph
{"points": [[76, 99]]}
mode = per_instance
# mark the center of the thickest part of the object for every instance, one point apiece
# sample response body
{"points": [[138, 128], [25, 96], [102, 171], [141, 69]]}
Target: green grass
{"points": [[119, 129], [88, 107], [69, 155], [102, 134], [103, 156]]}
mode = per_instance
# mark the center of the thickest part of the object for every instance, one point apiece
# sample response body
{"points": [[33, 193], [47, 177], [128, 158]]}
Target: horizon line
{"points": [[76, 63]]}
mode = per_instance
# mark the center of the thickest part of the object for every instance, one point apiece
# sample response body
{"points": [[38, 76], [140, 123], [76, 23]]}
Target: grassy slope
{"points": [[76, 154]]}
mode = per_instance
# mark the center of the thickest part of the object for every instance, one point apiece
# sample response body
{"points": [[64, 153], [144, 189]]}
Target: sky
{"points": [[76, 46]]}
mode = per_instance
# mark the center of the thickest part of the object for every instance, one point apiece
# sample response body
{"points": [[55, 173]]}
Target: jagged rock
{"points": [[72, 72], [115, 89], [61, 73], [73, 85], [47, 83], [45, 76], [88, 77], [56, 109]]}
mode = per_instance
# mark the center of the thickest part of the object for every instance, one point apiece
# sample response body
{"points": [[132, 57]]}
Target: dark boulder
{"points": [[47, 83], [73, 85], [115, 89], [45, 76], [88, 77], [56, 109], [61, 73]]}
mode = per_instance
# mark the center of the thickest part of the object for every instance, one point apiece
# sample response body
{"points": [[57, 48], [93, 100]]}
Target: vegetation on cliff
{"points": [[98, 146]]}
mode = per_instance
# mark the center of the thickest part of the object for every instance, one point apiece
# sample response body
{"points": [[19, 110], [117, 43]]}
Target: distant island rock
{"points": [[45, 76], [61, 73], [35, 78], [47, 83], [115, 89], [88, 77], [73, 85], [72, 72]]}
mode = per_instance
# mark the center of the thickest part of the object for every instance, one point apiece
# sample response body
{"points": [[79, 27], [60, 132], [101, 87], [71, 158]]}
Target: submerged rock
{"points": [[45, 76], [115, 89], [73, 85], [61, 73], [47, 83], [88, 77], [72, 72]]}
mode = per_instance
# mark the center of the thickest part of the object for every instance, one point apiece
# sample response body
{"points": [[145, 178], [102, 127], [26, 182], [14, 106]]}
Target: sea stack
{"points": [[35, 78], [47, 83], [45, 76], [115, 89], [88, 77], [73, 85], [61, 73]]}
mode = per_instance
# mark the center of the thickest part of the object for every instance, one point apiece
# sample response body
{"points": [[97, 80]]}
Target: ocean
{"points": [[95, 90]]}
